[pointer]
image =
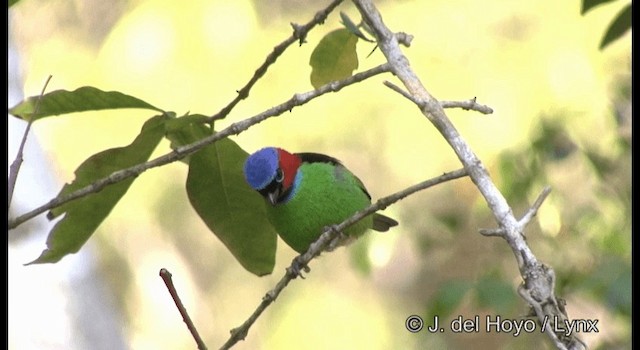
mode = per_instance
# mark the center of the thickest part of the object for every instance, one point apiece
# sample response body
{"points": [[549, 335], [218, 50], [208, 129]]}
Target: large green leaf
{"points": [[83, 99], [229, 207], [334, 58], [84, 215], [620, 25]]}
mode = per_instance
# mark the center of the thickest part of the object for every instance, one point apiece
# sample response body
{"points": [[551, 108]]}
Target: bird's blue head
{"points": [[261, 168], [271, 171]]}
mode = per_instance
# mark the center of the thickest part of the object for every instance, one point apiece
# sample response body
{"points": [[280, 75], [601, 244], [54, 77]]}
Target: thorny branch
{"points": [[537, 277], [317, 247]]}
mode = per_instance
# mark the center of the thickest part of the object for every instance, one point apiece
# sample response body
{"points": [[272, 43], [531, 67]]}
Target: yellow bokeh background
{"points": [[523, 59]]}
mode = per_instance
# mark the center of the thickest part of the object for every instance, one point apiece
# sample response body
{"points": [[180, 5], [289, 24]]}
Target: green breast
{"points": [[325, 195]]}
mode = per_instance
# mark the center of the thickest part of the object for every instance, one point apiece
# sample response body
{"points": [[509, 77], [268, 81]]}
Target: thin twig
{"points": [[492, 232], [168, 281], [317, 247], [183, 151], [15, 165], [526, 218], [470, 104], [299, 34]]}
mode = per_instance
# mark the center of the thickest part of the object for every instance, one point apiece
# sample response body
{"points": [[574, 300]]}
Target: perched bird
{"points": [[306, 192]]}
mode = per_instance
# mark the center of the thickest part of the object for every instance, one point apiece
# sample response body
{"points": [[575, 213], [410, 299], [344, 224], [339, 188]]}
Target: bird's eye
{"points": [[279, 175]]}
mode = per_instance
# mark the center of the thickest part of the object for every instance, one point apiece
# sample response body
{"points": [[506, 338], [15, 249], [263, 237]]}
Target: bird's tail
{"points": [[383, 223]]}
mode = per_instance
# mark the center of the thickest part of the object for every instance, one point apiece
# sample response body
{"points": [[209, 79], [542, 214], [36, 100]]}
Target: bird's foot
{"points": [[339, 240], [297, 267]]}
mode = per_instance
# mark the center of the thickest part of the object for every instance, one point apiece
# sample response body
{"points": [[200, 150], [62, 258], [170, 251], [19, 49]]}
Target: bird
{"points": [[307, 192]]}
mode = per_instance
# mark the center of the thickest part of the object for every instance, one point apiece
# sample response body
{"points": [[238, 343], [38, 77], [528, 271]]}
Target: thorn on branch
{"points": [[300, 33], [492, 232], [404, 38]]}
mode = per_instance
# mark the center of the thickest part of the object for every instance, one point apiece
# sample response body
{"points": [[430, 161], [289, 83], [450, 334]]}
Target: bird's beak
{"points": [[272, 197]]}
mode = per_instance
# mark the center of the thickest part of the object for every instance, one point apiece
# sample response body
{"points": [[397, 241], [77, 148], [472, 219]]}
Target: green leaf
{"points": [[620, 25], [334, 58], [83, 99], [84, 215], [228, 206], [12, 2], [589, 4], [448, 297]]}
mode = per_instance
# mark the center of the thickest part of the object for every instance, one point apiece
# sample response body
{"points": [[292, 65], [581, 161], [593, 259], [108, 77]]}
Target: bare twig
{"points": [[466, 105], [526, 218], [166, 277], [492, 232], [299, 34], [533, 272], [15, 165], [183, 151], [469, 104], [317, 247]]}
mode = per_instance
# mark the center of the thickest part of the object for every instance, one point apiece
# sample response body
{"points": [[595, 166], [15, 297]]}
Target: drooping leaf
{"points": [[228, 206], [334, 58], [620, 25], [84, 215], [86, 98], [589, 4]]}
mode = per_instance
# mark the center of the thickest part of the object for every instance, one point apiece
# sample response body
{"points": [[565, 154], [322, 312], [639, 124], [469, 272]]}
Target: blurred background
{"points": [[562, 117]]}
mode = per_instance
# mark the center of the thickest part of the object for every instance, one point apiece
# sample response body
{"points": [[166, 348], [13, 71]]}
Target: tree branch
{"points": [[299, 34], [168, 281], [14, 169], [328, 235], [183, 151], [536, 275]]}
